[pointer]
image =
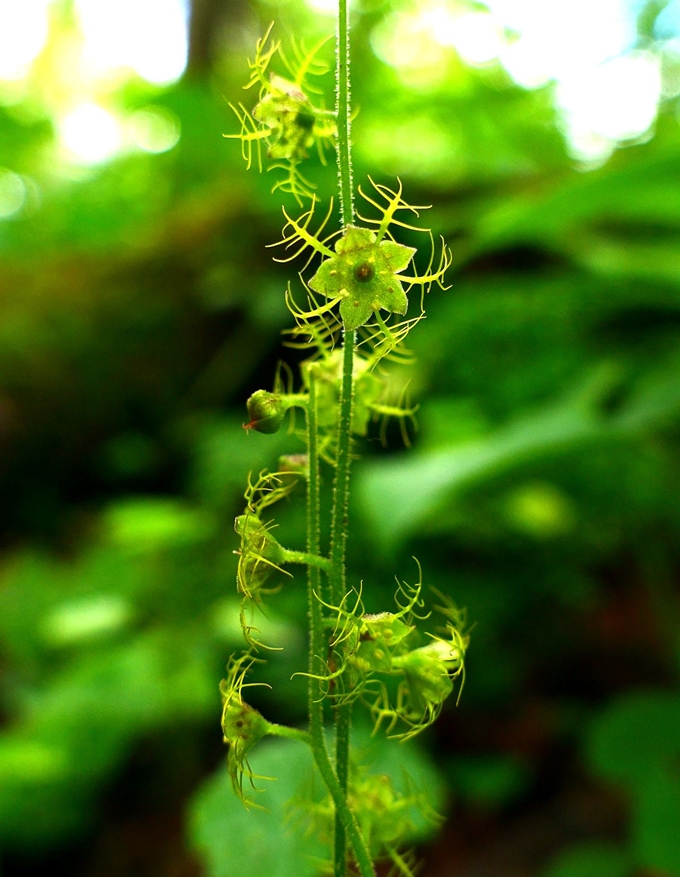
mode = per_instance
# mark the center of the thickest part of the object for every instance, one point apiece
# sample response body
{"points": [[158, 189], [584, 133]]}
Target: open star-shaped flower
{"points": [[363, 276]]}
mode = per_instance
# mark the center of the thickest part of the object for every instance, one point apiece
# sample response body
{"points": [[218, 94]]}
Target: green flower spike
{"points": [[363, 274]]}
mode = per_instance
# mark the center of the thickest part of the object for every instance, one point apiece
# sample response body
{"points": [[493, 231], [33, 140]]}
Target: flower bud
{"points": [[242, 725], [266, 411]]}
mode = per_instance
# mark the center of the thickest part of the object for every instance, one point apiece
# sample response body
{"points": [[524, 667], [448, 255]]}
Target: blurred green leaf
{"points": [[224, 455], [636, 735], [591, 860], [488, 780], [656, 819], [76, 729], [152, 523], [233, 840], [29, 761], [86, 619], [397, 495], [636, 742], [618, 221]]}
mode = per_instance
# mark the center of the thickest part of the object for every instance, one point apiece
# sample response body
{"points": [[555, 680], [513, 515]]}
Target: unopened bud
{"points": [[266, 411], [242, 725]]}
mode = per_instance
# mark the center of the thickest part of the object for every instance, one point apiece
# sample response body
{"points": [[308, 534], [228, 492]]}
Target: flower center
{"points": [[364, 272]]}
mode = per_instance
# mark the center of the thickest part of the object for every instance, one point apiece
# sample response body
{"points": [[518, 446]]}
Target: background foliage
{"points": [[139, 309]]}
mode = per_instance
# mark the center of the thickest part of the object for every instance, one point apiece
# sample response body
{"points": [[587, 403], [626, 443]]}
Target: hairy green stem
{"points": [[316, 663], [339, 515], [298, 400], [343, 724], [342, 107], [337, 577], [346, 817], [275, 730], [317, 738], [307, 559]]}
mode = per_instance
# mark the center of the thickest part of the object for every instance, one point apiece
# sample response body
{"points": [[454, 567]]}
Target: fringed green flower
{"points": [[385, 816], [363, 644], [428, 679], [242, 725], [284, 118], [290, 117], [363, 275], [259, 555], [381, 660]]}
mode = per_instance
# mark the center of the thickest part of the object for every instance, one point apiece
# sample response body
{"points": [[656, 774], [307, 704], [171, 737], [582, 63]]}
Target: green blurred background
{"points": [[138, 310]]}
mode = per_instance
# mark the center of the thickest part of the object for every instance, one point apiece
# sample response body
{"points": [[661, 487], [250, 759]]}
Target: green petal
{"points": [[287, 87], [396, 255], [355, 312], [355, 239], [392, 297], [328, 279]]}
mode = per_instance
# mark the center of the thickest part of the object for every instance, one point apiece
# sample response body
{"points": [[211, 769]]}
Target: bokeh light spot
{"points": [[154, 129], [406, 42], [12, 193], [615, 101], [540, 510], [476, 36], [324, 7], [149, 36], [606, 91], [91, 134], [87, 618], [23, 31]]}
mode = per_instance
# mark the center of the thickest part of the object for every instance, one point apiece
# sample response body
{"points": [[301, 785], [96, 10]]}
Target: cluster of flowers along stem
{"points": [[355, 287]]}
